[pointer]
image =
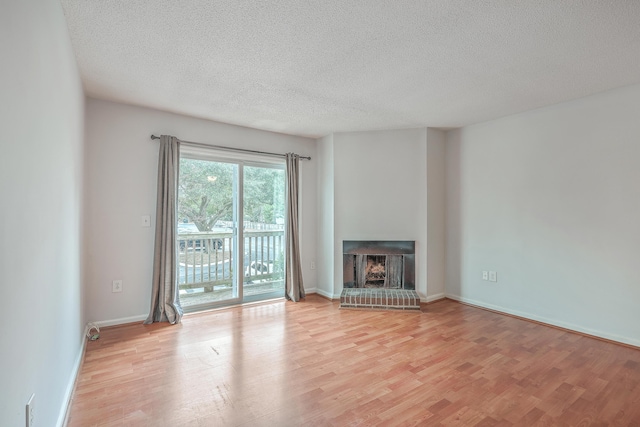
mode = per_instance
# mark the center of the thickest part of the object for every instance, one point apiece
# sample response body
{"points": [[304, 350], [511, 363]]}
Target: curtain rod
{"points": [[199, 144]]}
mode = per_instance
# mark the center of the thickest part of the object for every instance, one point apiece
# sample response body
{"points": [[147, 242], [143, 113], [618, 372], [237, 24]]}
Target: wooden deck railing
{"points": [[205, 260]]}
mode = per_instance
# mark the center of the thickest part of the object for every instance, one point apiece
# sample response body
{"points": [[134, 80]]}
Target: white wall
{"points": [[550, 199], [326, 230], [121, 171], [436, 221], [41, 117], [380, 193]]}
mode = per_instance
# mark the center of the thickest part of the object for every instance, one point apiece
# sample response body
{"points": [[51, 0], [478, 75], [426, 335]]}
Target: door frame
{"points": [[240, 161]]}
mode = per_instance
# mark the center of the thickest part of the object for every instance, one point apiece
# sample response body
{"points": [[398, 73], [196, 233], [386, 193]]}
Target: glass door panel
{"points": [[207, 232], [263, 232]]}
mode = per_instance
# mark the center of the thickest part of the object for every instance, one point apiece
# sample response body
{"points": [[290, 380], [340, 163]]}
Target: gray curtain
{"points": [[165, 301], [294, 289]]}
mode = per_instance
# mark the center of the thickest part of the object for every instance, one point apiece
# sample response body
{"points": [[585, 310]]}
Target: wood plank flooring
{"points": [[311, 364]]}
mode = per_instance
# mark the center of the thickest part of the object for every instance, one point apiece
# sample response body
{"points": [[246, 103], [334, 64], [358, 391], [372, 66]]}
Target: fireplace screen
{"points": [[379, 271], [379, 264]]}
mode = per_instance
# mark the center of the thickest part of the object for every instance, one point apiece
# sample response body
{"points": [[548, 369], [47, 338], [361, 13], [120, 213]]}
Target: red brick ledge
{"points": [[380, 299]]}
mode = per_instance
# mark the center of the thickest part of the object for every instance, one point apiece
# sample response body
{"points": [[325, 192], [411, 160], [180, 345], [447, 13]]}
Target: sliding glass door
{"points": [[230, 248], [264, 211]]}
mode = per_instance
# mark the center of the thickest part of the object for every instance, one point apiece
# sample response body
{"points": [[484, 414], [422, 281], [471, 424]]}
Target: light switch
{"points": [[146, 220]]}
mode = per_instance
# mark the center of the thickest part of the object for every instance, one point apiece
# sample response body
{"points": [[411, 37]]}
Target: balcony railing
{"points": [[205, 260]]}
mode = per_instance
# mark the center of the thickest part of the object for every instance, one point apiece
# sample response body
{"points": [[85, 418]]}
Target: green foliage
{"points": [[205, 193], [264, 194]]}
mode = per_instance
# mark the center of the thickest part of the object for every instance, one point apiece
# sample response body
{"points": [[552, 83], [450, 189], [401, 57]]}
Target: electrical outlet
{"points": [[493, 276], [30, 412], [116, 286], [485, 275], [146, 220], [313, 265]]}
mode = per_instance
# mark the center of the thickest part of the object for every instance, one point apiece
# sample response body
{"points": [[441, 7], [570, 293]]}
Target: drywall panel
{"points": [[41, 118], [326, 230], [550, 200], [436, 221], [380, 193], [121, 171]]}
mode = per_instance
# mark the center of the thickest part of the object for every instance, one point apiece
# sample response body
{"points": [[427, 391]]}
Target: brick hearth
{"points": [[375, 298]]}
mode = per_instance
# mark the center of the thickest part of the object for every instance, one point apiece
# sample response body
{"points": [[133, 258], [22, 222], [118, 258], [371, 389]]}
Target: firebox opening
{"points": [[379, 271], [375, 271]]}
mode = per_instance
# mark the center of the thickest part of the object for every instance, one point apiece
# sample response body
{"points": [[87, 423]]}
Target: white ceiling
{"points": [[311, 68]]}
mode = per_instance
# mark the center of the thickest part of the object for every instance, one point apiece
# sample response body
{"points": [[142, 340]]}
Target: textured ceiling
{"points": [[315, 67]]}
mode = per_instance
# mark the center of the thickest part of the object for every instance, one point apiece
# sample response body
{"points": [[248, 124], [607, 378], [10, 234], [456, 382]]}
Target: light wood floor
{"points": [[311, 364]]}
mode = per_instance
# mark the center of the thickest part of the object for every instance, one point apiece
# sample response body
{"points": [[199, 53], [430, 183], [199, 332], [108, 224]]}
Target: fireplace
{"points": [[383, 264]]}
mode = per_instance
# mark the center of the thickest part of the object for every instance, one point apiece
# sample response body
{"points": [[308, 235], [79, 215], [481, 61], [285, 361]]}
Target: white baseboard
{"points": [[625, 340], [435, 297], [322, 292], [143, 317], [570, 326], [68, 393], [121, 321]]}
